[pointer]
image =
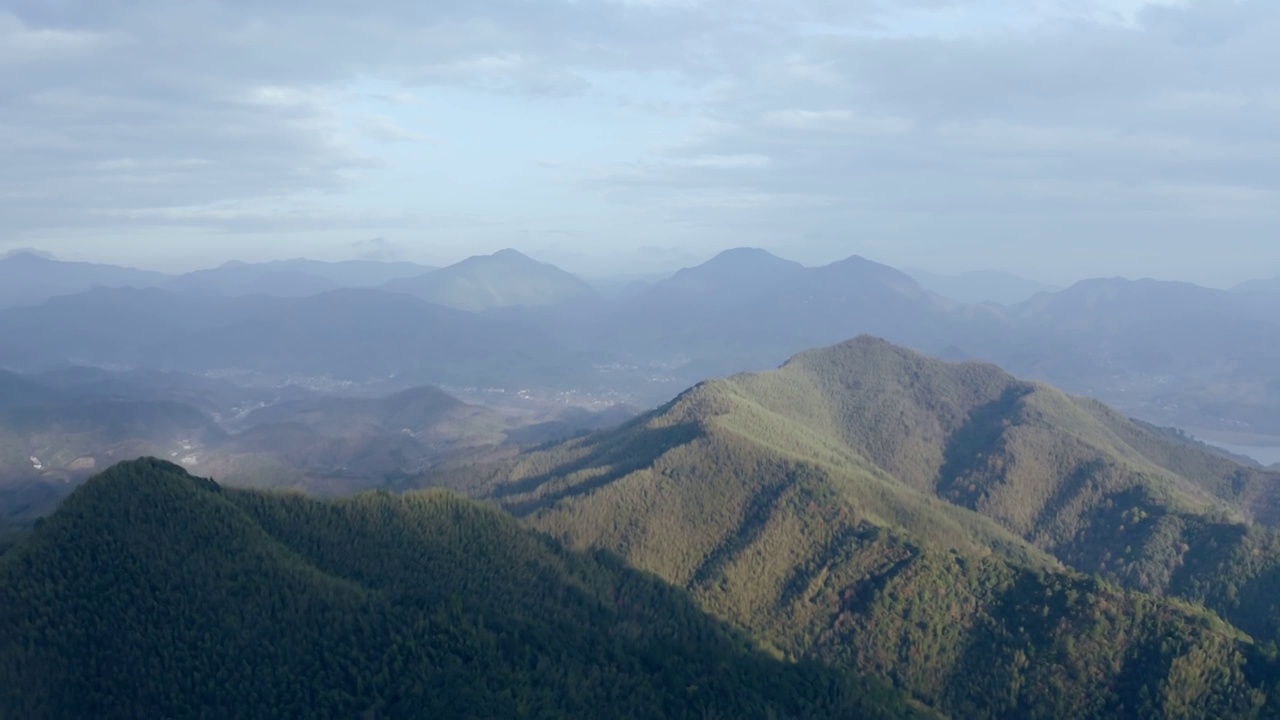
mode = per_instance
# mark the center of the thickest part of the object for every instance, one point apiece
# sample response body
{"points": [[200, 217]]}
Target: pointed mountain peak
{"points": [[511, 254]]}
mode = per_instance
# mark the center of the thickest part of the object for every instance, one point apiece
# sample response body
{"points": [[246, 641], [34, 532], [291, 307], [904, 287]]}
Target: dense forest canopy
{"points": [[152, 593]]}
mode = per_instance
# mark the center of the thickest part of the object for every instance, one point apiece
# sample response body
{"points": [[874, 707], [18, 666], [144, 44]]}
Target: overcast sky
{"points": [[1054, 138]]}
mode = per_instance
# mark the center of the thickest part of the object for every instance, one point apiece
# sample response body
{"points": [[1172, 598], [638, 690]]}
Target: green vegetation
{"points": [[930, 524], [152, 593]]}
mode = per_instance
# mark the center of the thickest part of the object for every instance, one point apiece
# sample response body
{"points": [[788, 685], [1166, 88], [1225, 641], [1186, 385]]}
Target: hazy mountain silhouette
{"points": [[981, 286], [27, 278], [292, 278], [505, 279], [354, 334]]}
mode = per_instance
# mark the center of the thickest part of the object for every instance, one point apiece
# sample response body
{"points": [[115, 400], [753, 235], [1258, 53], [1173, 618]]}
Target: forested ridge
{"points": [[152, 593], [864, 532], [993, 546]]}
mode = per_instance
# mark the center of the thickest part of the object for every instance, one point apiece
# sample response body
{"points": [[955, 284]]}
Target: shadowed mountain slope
{"points": [[154, 593]]}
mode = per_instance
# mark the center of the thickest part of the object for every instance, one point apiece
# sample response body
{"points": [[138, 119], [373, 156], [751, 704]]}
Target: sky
{"points": [[1056, 139]]}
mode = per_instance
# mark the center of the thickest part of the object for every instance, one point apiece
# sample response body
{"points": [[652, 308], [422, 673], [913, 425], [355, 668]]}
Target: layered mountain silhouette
{"points": [[930, 523], [504, 279], [1171, 353], [292, 278], [981, 286], [28, 278], [152, 592], [356, 334], [1174, 352]]}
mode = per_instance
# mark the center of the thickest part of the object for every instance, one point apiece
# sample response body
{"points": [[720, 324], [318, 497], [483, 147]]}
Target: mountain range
{"points": [[981, 286], [991, 545], [154, 592], [1170, 353], [864, 531], [504, 279], [350, 334], [29, 278]]}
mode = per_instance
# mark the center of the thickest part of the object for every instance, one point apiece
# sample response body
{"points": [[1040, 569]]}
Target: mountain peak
{"points": [[143, 475], [507, 278], [742, 253], [511, 254]]}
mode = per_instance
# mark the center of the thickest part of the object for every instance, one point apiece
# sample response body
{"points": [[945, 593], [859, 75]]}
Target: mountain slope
{"points": [[863, 503], [679, 306], [823, 305], [414, 410], [151, 592], [1172, 352], [292, 278], [981, 286], [352, 334], [106, 326], [505, 279], [358, 334], [1101, 493], [29, 279]]}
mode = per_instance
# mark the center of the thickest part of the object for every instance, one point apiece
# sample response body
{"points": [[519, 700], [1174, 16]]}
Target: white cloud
{"points": [[1122, 120]]}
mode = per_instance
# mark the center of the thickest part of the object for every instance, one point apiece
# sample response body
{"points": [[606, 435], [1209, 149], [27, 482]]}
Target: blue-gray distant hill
{"points": [[351, 334], [506, 279], [28, 278], [293, 278], [981, 286]]}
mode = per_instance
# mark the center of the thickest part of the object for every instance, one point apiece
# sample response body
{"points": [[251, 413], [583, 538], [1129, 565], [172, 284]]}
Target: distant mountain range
{"points": [[351, 334], [28, 278], [505, 279], [1172, 353], [293, 278], [994, 546], [981, 286]]}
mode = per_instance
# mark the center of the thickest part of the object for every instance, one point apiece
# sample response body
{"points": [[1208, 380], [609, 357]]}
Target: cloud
{"points": [[385, 130], [1134, 125], [27, 251], [379, 249]]}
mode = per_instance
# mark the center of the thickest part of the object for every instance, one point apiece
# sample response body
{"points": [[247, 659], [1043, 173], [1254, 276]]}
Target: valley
{"points": [[926, 531]]}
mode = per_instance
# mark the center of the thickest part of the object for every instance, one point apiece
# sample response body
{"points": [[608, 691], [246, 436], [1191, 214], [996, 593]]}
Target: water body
{"points": [[1265, 454]]}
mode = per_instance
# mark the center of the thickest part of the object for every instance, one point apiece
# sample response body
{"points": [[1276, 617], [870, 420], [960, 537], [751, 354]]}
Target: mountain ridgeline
{"points": [[1171, 353], [994, 546], [507, 278], [153, 593]]}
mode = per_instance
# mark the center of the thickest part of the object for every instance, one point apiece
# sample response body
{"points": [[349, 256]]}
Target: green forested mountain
{"points": [[996, 547], [152, 593]]}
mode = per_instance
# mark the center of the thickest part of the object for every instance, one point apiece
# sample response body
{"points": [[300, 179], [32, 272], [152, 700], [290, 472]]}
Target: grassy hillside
{"points": [[1101, 493], [927, 522], [152, 593]]}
